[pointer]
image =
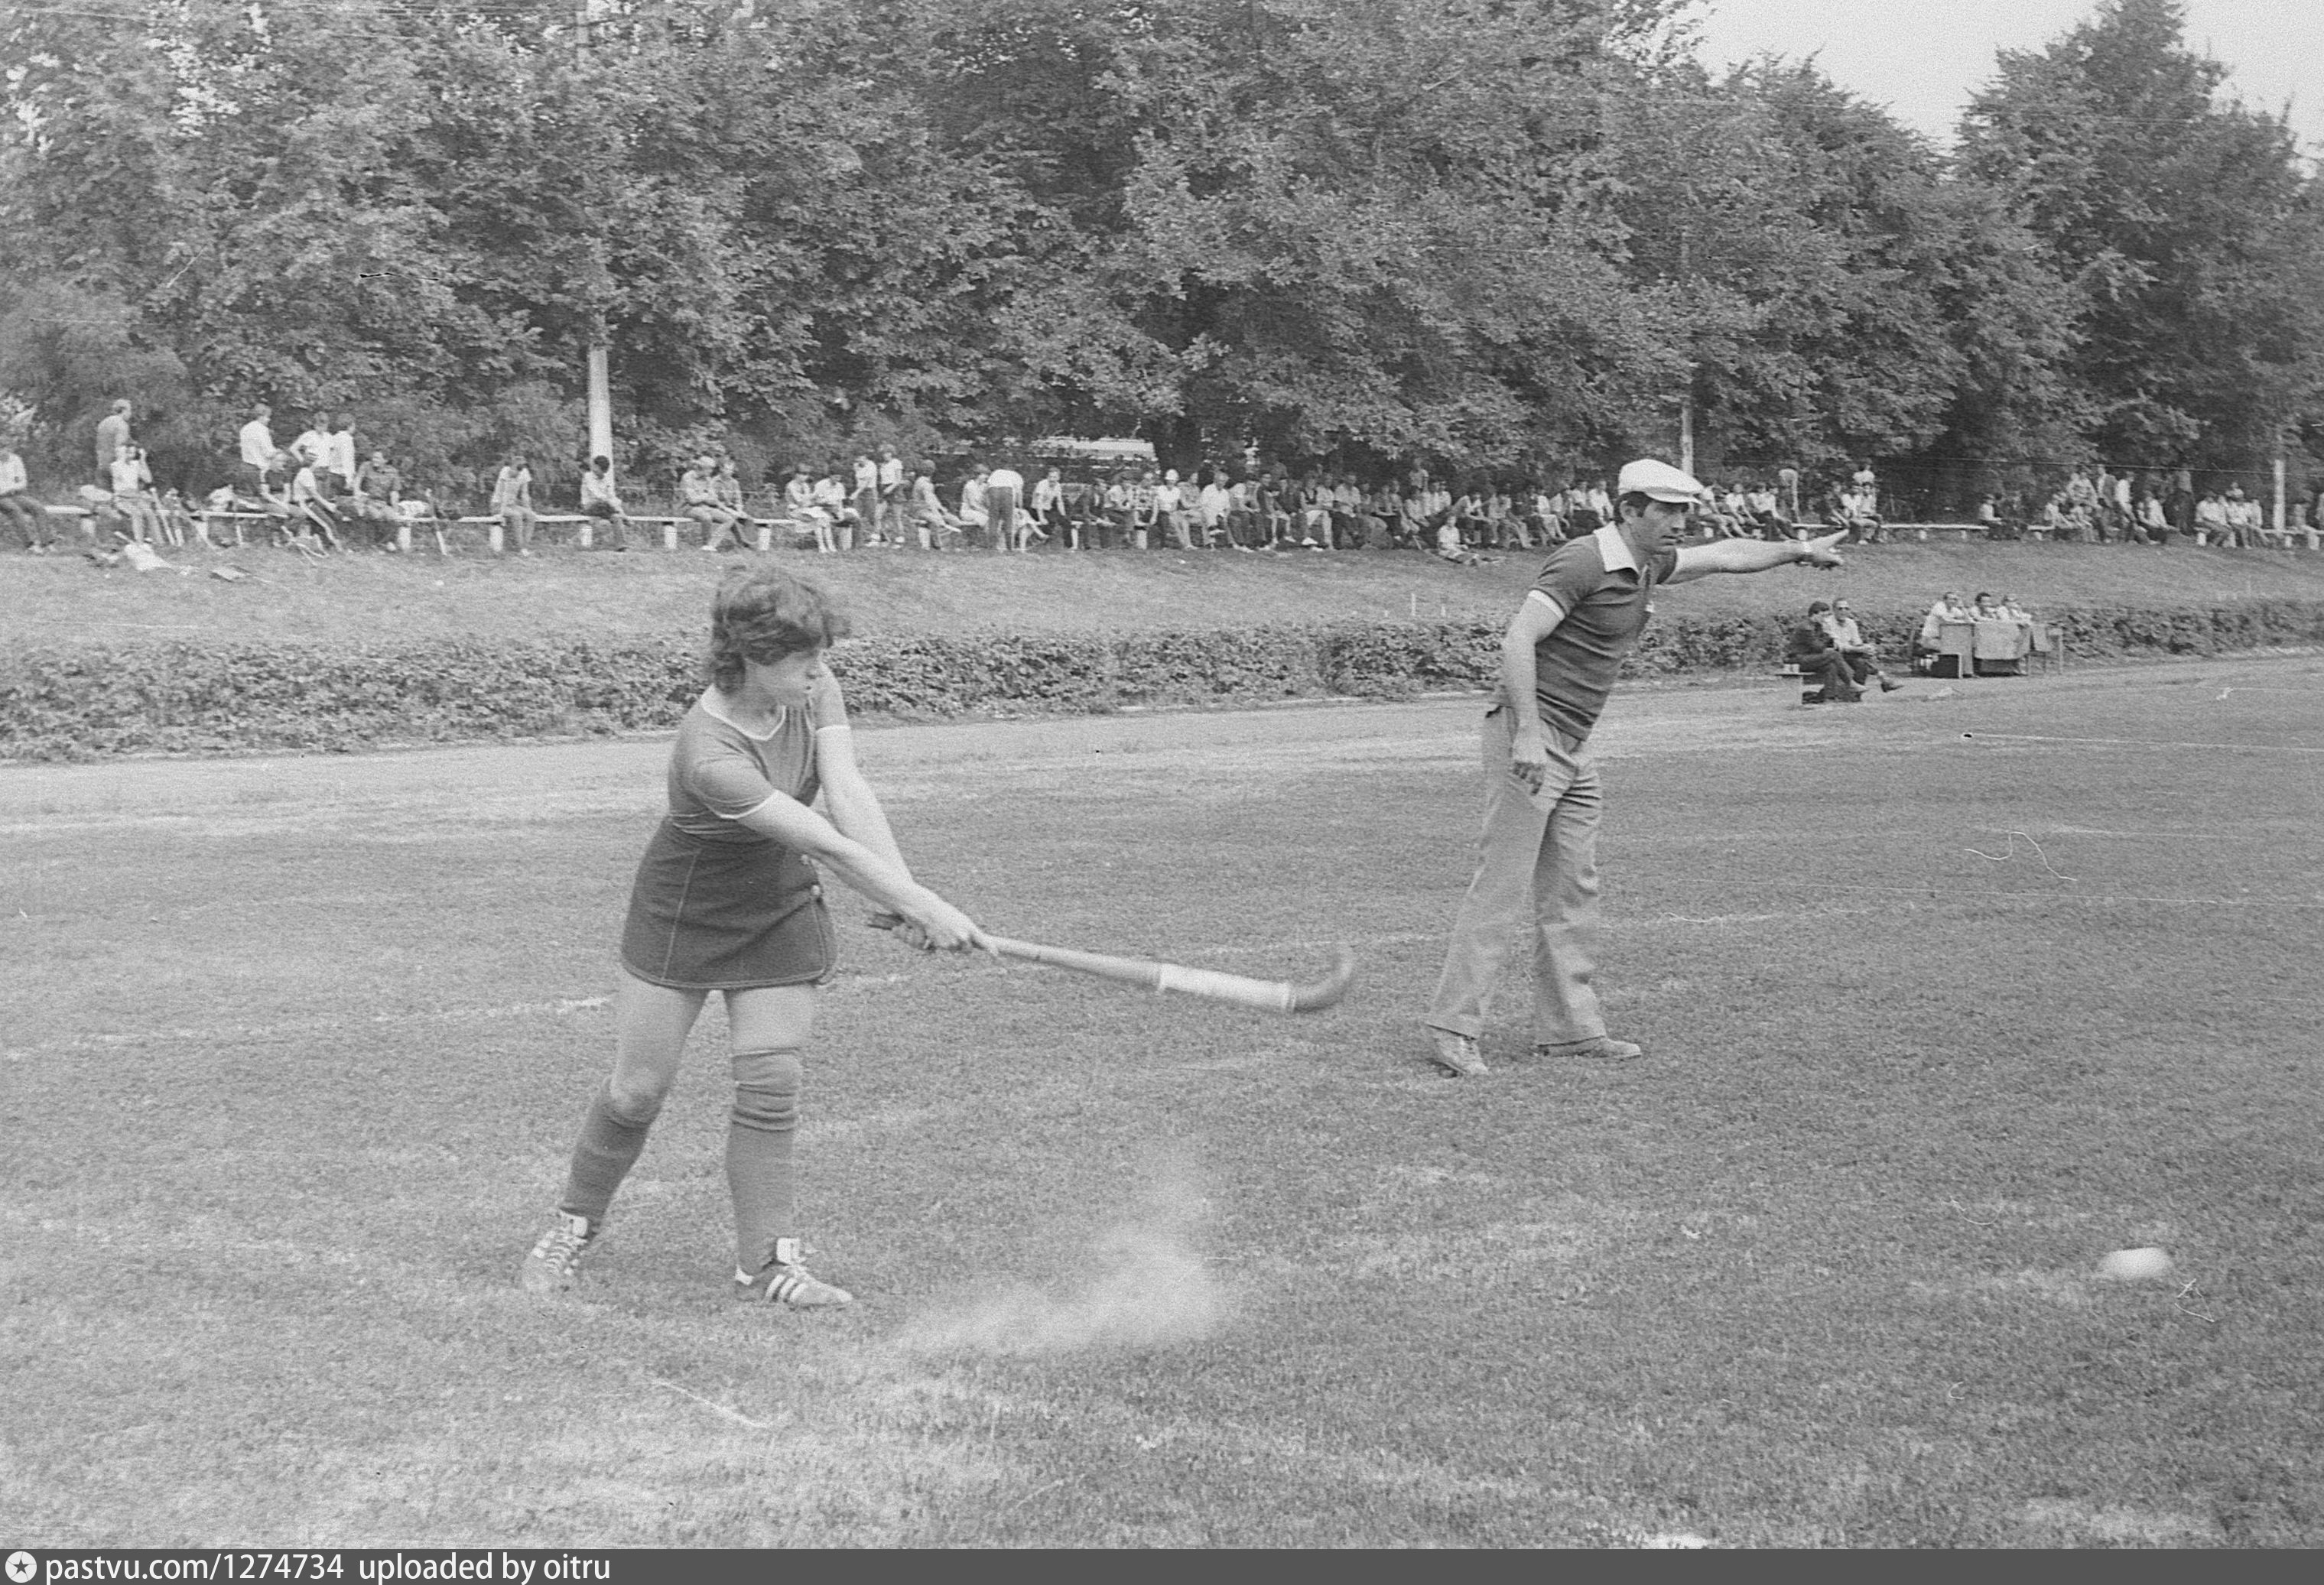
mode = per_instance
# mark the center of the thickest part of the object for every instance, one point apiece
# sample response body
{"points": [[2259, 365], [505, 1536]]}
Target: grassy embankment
{"points": [[566, 595]]}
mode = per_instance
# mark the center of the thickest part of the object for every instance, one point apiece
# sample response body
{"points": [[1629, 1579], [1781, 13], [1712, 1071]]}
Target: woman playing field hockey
{"points": [[726, 899]]}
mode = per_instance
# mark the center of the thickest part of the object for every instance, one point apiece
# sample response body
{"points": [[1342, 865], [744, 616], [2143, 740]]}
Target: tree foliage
{"points": [[1509, 234]]}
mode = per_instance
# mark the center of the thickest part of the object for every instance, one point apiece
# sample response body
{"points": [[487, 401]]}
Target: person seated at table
{"points": [[1858, 651], [2009, 610], [1810, 648], [1984, 609], [1948, 609]]}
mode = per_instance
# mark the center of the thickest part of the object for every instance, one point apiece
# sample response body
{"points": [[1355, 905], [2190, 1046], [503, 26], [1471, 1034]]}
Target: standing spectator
{"points": [[1004, 496], [339, 456], [867, 497], [513, 501], [258, 451], [112, 435], [892, 513], [601, 500], [18, 506], [313, 447]]}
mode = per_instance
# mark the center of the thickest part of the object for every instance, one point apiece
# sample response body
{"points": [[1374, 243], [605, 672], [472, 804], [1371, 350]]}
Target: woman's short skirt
{"points": [[723, 916]]}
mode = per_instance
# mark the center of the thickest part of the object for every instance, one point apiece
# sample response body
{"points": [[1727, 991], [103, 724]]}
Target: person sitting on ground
{"points": [[601, 500], [513, 501], [1858, 651], [1451, 547], [1819, 660], [19, 507]]}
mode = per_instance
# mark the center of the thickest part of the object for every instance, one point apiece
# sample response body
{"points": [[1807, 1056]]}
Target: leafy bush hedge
{"points": [[88, 701]]}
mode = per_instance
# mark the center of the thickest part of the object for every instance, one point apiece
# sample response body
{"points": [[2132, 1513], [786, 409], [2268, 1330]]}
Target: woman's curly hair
{"points": [[763, 613]]}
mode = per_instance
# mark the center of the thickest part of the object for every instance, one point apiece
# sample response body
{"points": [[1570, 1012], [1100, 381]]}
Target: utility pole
{"points": [[601, 382]]}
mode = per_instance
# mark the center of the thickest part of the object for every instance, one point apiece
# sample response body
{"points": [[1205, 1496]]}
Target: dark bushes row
{"points": [[88, 701]]}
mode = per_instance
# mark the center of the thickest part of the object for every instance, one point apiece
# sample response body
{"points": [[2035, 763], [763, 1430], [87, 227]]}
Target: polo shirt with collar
{"points": [[1602, 590]]}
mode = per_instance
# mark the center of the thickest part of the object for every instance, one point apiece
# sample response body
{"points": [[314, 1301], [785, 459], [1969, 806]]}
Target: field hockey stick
{"points": [[1273, 996]]}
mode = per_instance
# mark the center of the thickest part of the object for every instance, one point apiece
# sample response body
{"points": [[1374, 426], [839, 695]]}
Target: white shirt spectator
{"points": [[12, 474], [513, 488], [130, 475], [311, 448], [304, 488], [1048, 495], [340, 454], [866, 474], [258, 448], [1005, 479], [1211, 504]]}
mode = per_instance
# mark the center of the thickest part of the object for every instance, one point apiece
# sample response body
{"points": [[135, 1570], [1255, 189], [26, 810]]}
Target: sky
{"points": [[1923, 59]]}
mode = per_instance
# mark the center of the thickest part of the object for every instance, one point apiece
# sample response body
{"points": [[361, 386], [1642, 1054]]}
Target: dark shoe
{"points": [[1605, 1048], [1889, 685]]}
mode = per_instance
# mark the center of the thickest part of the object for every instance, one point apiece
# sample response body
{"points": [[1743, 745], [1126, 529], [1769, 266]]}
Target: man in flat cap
{"points": [[1536, 858]]}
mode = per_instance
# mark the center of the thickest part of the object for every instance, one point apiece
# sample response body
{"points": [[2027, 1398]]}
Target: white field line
{"points": [[305, 1026]]}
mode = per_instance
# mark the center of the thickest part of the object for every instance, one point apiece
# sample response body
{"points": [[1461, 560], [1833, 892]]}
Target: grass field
{"points": [[1947, 997], [562, 593]]}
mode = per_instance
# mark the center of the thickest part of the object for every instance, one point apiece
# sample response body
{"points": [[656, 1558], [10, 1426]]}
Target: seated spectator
{"points": [[1211, 504], [1145, 509], [1810, 648], [1855, 648], [800, 508], [1047, 522], [376, 500], [1767, 512], [698, 499], [741, 531], [312, 516], [1275, 502], [313, 448], [1347, 507], [934, 526], [831, 499], [2008, 610], [1111, 529], [222, 508], [177, 524], [417, 507], [1315, 515], [2211, 518], [19, 507], [1451, 547], [2153, 522], [1243, 518], [1948, 608], [133, 493], [513, 501], [2245, 518], [1173, 510], [1984, 609], [1542, 516], [974, 513], [601, 500]]}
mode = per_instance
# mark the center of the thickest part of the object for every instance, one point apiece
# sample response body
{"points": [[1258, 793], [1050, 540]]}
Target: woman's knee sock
{"points": [[759, 1169], [601, 1157]]}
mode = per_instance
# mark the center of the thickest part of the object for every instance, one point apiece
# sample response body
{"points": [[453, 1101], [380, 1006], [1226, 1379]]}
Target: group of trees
{"points": [[1510, 233]]}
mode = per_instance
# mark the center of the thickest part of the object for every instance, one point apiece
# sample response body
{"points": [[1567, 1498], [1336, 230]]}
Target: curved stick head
{"points": [[1316, 995]]}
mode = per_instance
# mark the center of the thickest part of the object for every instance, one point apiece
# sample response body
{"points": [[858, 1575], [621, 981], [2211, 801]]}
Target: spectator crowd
{"points": [[321, 493]]}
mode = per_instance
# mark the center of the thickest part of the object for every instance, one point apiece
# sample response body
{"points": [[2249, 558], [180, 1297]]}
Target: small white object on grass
{"points": [[2142, 1265]]}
